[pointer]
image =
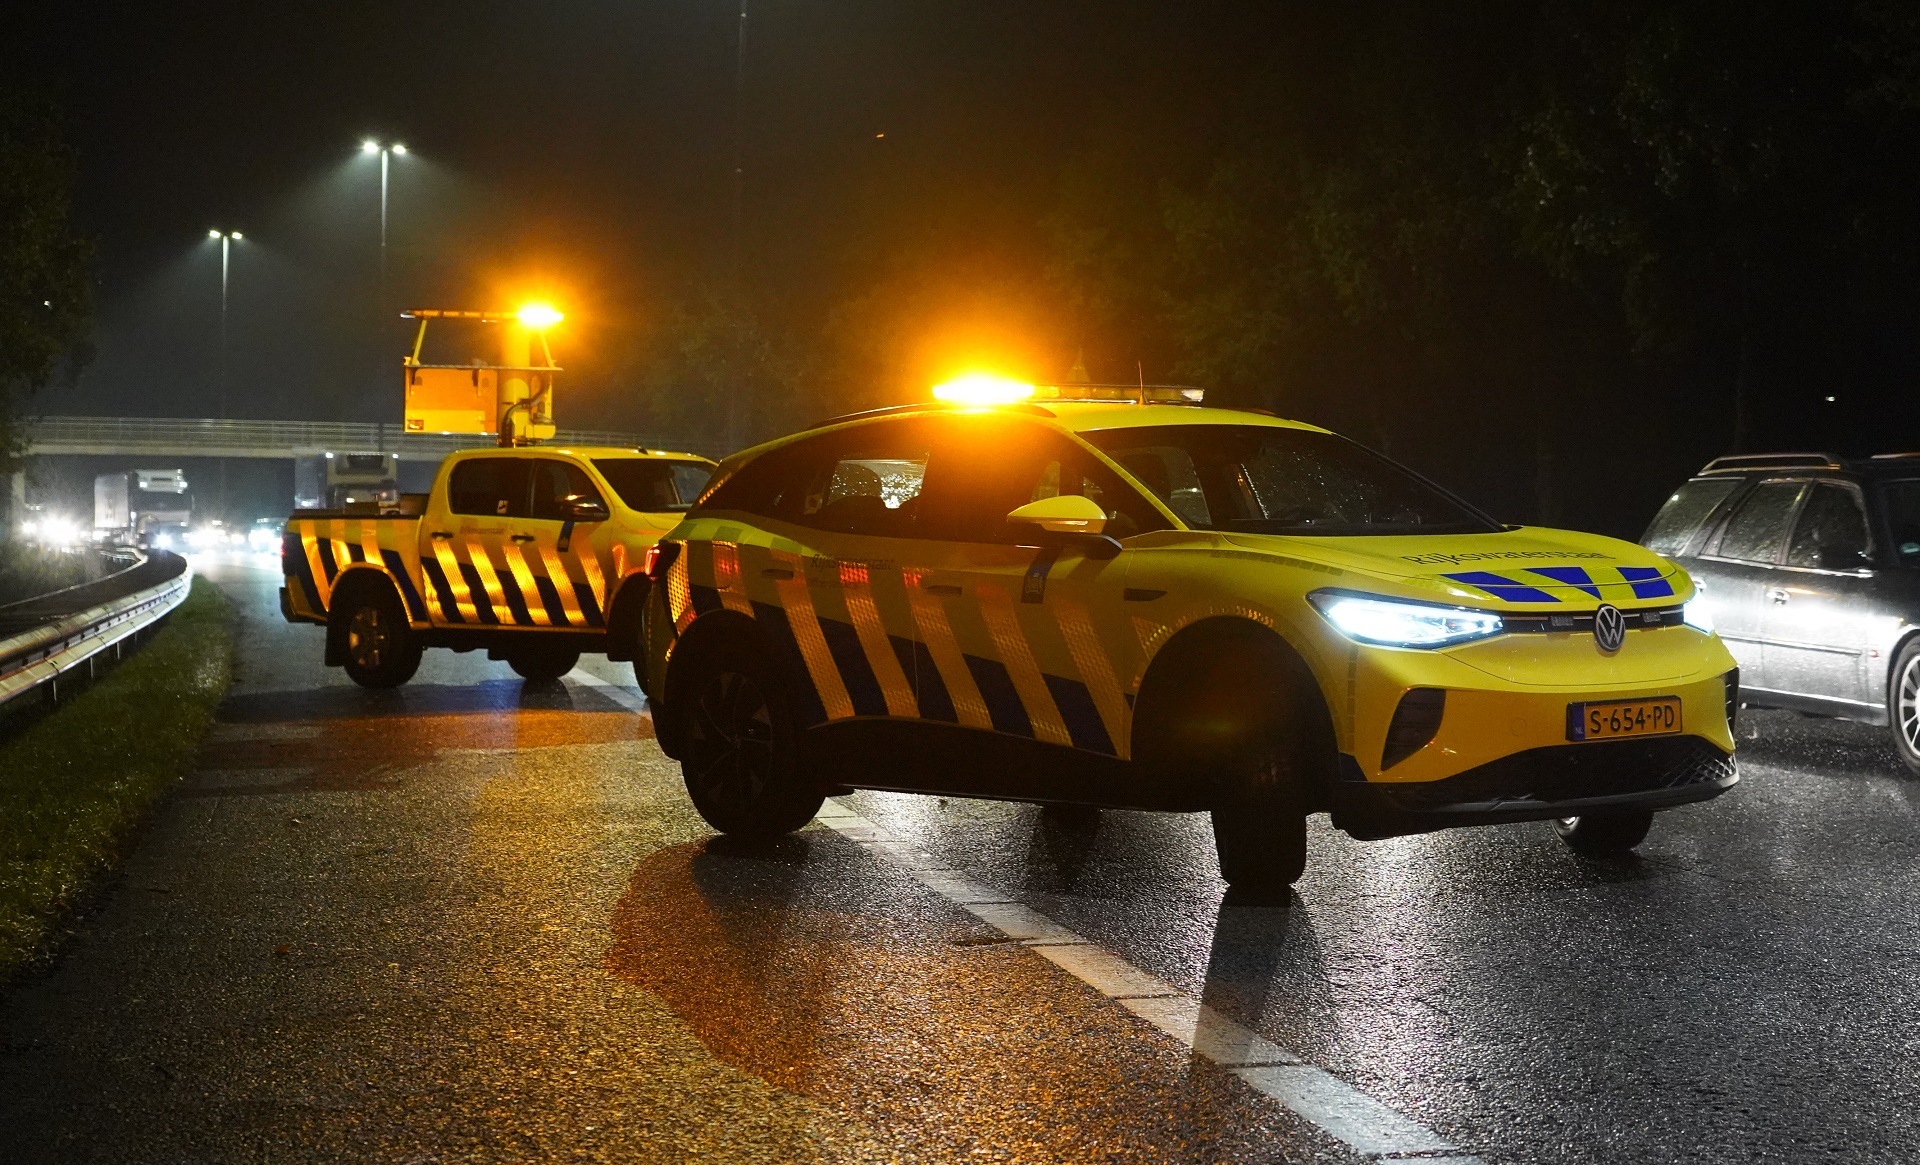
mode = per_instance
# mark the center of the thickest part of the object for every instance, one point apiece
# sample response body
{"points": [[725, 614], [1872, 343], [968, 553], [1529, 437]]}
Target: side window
{"points": [[1903, 519], [1685, 512], [556, 485], [986, 467], [1832, 530], [759, 486], [689, 478], [1080, 473], [493, 486], [1169, 472], [1759, 527], [864, 480]]}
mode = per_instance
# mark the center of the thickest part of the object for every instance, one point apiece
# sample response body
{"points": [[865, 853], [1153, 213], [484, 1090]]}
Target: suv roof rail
{"points": [[933, 406], [1741, 461], [1892, 456]]}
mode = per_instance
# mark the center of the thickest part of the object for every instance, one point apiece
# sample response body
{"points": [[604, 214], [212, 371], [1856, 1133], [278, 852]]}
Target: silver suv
{"points": [[1810, 569]]}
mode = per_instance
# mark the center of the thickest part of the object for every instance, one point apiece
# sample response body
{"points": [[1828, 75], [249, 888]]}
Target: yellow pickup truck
{"points": [[533, 554]]}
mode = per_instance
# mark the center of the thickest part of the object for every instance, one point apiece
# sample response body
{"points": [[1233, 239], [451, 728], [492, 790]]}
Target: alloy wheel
{"points": [[732, 739], [1907, 703], [369, 638]]}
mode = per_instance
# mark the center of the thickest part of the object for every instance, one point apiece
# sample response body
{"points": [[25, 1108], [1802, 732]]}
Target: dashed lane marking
{"points": [[1365, 1125], [621, 694]]}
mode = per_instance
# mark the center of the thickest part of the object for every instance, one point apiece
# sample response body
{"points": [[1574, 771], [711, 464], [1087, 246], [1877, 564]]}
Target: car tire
{"points": [[543, 664], [1903, 705], [1605, 835], [1260, 830], [740, 754], [381, 649]]}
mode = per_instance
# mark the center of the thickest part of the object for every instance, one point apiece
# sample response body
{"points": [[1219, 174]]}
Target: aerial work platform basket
{"points": [[511, 397]]}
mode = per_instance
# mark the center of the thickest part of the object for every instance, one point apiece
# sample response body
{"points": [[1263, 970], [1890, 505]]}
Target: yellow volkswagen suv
{"points": [[1121, 598]]}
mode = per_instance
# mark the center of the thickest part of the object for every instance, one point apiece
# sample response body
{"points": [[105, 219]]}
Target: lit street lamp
{"points": [[387, 153], [227, 239]]}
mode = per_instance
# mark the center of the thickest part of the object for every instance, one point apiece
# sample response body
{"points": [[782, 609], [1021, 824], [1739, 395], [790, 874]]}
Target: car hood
{"points": [[1525, 566]]}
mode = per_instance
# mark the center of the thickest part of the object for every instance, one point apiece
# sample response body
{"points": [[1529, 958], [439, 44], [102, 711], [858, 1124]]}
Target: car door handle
{"points": [[443, 535], [523, 537], [940, 588], [1778, 595], [780, 572]]}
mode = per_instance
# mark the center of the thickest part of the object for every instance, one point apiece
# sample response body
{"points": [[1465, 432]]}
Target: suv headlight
{"points": [[1696, 615], [1402, 622]]}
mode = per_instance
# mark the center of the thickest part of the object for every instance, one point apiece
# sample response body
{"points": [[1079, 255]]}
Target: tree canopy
{"points": [[45, 293], [1554, 252]]}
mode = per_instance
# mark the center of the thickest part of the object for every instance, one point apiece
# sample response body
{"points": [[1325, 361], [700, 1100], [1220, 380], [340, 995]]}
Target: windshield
{"points": [[654, 486], [1261, 479], [1903, 518]]}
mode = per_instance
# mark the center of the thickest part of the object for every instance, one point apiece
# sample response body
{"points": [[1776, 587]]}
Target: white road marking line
{"points": [[628, 698], [1337, 1108]]}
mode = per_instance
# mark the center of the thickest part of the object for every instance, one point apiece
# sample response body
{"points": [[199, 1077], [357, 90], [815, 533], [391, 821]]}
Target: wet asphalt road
{"points": [[472, 922]]}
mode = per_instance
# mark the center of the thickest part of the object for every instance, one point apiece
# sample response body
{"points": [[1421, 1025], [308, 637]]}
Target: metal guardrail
{"points": [[38, 657], [211, 437]]}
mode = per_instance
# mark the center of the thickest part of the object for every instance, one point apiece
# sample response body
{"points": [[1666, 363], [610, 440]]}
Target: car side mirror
{"points": [[1069, 518], [582, 510], [1065, 514], [1841, 558]]}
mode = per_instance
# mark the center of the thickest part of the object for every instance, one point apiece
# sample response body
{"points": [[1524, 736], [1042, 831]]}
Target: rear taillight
{"points": [[659, 559]]}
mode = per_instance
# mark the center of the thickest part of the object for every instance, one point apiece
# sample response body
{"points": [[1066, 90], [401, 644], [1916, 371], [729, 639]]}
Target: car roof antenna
{"points": [[1140, 370]]}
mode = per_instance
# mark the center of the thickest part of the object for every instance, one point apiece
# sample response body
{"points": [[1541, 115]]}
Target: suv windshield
{"points": [[1261, 479], [652, 485], [1903, 519]]}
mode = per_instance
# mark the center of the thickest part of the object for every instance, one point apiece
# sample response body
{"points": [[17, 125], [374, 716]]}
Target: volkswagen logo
{"points": [[1609, 628]]}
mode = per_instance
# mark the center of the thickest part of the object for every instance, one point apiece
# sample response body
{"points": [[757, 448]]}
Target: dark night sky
{"points": [[577, 150]]}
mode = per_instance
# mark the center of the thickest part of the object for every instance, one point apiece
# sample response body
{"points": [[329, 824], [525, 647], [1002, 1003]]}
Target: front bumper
{"points": [[1565, 780]]}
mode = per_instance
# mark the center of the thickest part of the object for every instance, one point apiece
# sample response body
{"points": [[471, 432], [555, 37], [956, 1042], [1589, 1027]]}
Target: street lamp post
{"points": [[387, 154], [227, 240]]}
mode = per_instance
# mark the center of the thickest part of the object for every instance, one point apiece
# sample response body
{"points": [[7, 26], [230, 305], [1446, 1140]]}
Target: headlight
{"points": [[1696, 615], [1401, 623]]}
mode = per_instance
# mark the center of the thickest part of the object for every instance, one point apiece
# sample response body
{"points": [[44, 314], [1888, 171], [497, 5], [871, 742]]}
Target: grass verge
{"points": [[75, 782]]}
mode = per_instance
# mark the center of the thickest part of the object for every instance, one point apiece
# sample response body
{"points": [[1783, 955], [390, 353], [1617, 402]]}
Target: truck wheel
{"points": [[1903, 702], [740, 754], [382, 651], [1605, 835], [543, 664], [1260, 829]]}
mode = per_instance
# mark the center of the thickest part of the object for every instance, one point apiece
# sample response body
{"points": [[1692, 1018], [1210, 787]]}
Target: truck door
{"points": [[559, 552], [464, 543]]}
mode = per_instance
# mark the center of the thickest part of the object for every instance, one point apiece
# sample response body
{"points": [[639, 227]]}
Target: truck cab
{"points": [[533, 554]]}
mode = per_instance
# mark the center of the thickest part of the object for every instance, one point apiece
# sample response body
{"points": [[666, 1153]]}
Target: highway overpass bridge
{"points": [[166, 438], [207, 437]]}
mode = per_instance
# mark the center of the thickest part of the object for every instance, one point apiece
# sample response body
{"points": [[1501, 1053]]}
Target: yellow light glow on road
{"points": [[539, 315], [979, 388]]}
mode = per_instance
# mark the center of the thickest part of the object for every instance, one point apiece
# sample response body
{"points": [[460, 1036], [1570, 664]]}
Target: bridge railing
{"points": [[212, 437]]}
